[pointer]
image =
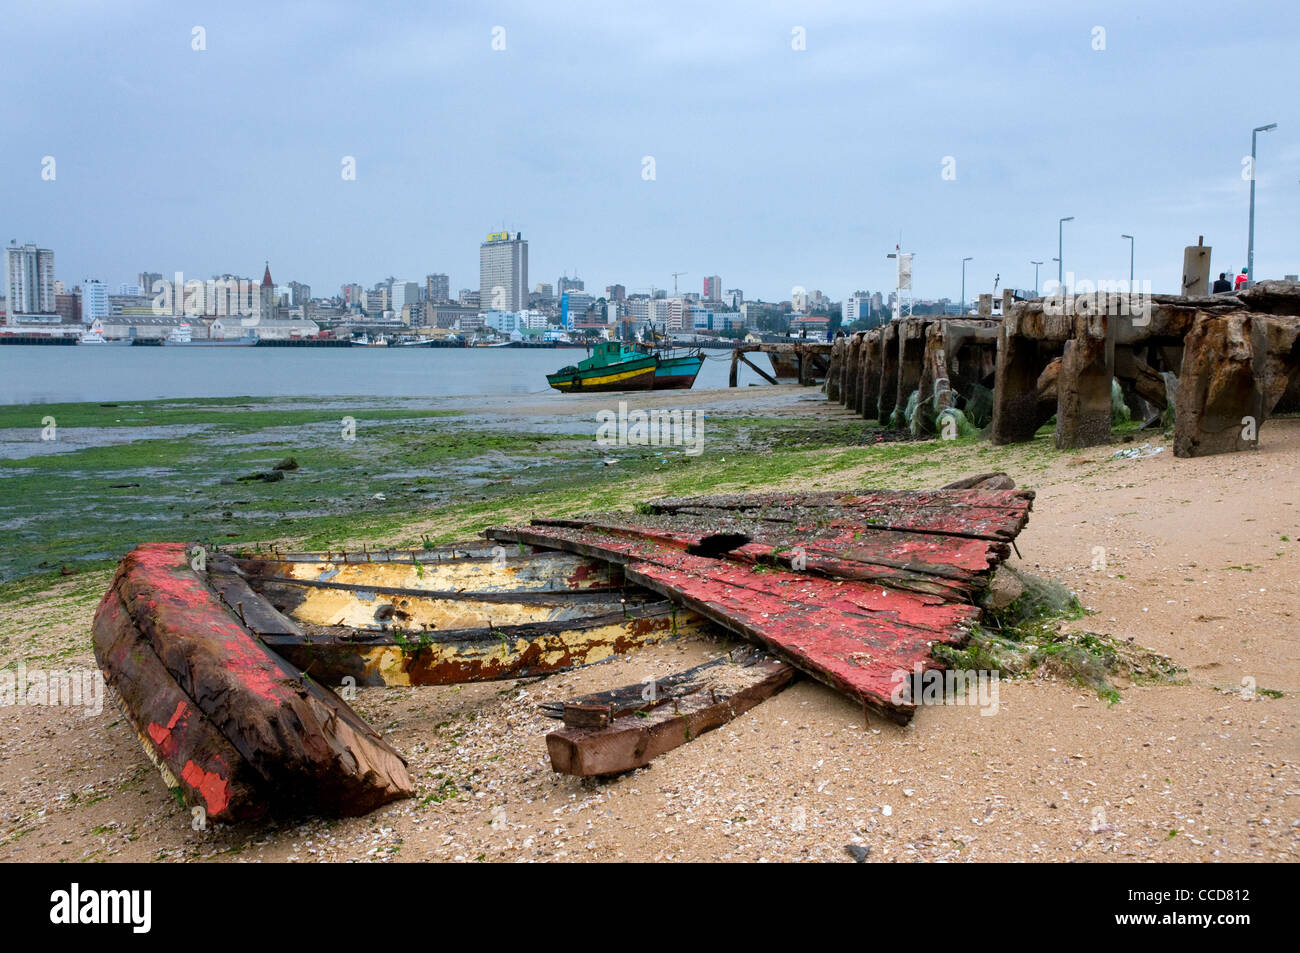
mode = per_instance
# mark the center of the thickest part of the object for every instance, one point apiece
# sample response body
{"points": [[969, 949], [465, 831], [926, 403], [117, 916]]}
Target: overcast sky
{"points": [[773, 166]]}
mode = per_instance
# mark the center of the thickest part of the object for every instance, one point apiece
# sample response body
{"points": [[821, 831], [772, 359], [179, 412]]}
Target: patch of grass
{"points": [[1026, 634]]}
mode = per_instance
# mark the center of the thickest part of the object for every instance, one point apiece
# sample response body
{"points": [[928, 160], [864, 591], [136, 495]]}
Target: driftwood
{"points": [[626, 728]]}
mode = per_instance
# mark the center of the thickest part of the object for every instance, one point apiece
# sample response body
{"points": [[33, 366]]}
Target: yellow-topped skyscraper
{"points": [[503, 272]]}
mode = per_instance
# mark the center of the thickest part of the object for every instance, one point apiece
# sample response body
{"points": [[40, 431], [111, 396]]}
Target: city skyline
{"points": [[837, 146]]}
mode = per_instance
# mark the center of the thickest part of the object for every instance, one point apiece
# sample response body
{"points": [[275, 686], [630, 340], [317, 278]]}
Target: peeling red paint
{"points": [[212, 787], [163, 737], [880, 579]]}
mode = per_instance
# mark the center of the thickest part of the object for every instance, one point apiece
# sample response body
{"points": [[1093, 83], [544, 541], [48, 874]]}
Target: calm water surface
{"points": [[42, 375]]}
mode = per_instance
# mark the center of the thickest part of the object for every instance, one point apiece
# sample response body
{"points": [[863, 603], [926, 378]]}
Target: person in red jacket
{"points": [[1242, 279]]}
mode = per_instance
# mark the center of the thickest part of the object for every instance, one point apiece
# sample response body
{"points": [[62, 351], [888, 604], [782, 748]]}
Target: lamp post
{"points": [[963, 282], [1035, 264], [1250, 247], [1060, 252], [1131, 243]]}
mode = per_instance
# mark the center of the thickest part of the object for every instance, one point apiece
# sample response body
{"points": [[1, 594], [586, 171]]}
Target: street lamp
{"points": [[1035, 264], [1250, 247], [1060, 237], [1130, 261], [963, 283]]}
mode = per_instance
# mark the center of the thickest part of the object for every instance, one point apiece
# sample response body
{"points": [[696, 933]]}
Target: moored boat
{"points": [[611, 366], [183, 336], [677, 370]]}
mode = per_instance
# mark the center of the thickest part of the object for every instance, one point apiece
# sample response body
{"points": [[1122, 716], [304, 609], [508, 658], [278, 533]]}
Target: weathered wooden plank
{"points": [[631, 735], [825, 541], [980, 514], [982, 481], [307, 746], [861, 639], [332, 654], [643, 696], [510, 571]]}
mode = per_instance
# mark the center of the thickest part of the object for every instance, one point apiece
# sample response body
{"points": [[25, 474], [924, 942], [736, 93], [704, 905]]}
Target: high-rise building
{"points": [[565, 283], [857, 306], [147, 279], [638, 309], [437, 288], [301, 294], [615, 293], [573, 305], [351, 294], [545, 290], [404, 293], [503, 272], [29, 276], [734, 297], [94, 300], [713, 288]]}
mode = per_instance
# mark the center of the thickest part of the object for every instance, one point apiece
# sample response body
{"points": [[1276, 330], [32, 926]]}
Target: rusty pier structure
{"points": [[1222, 364]]}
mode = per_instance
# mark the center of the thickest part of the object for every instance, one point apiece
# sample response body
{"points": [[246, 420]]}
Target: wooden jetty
{"points": [[806, 362], [1225, 363]]}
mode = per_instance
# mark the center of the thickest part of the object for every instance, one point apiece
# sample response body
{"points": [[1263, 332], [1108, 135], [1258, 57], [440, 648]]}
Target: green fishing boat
{"points": [[611, 366], [677, 370]]}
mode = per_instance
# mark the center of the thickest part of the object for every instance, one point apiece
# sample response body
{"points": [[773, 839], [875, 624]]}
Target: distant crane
{"points": [[675, 276]]}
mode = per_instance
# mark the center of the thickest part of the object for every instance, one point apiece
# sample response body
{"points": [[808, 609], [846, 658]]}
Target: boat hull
{"points": [[677, 373], [429, 618], [212, 342], [614, 378], [233, 728]]}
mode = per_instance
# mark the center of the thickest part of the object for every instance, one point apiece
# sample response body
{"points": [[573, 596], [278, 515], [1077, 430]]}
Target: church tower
{"points": [[267, 299]]}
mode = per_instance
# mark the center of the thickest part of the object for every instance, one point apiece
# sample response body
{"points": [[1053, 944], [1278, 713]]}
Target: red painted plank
{"points": [[860, 639], [982, 514]]}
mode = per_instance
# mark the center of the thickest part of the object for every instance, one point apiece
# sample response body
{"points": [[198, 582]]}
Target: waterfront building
{"points": [[29, 278], [437, 289], [94, 300], [503, 272], [573, 306]]}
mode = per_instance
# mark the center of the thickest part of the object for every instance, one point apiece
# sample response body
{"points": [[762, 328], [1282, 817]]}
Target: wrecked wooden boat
{"points": [[444, 617], [854, 589], [233, 727], [227, 664]]}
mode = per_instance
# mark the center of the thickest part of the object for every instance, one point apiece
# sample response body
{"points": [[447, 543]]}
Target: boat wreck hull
{"points": [[234, 728]]}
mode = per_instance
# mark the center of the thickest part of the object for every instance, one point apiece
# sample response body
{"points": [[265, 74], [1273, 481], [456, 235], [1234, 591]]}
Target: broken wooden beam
{"points": [[627, 728]]}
